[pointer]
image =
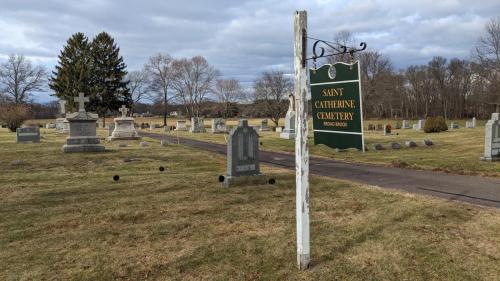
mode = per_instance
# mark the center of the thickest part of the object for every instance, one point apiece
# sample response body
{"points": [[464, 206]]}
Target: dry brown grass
{"points": [[63, 218]]}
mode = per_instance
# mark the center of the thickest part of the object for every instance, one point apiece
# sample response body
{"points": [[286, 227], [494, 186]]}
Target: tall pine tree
{"points": [[73, 72], [109, 90], [95, 69]]}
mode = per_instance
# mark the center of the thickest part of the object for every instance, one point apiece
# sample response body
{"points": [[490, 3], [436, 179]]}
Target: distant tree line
{"points": [[453, 88]]}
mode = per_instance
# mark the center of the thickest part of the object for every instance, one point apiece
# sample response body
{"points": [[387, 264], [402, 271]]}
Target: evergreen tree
{"points": [[109, 90], [72, 74]]}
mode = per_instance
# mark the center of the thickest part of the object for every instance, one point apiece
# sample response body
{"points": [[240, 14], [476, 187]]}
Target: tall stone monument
{"points": [[124, 128], [289, 131], [492, 139], [197, 125], [82, 130], [62, 125], [243, 156]]}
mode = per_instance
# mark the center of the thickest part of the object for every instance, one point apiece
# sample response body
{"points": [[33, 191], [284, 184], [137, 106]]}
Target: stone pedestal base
{"points": [[124, 129], [288, 135], [83, 144], [490, 159], [245, 180]]}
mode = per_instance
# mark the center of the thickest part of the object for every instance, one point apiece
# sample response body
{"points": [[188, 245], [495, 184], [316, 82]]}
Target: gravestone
{"points": [[82, 130], [406, 124], [395, 145], [398, 125], [387, 129], [427, 142], [181, 125], [371, 127], [62, 125], [28, 134], [151, 127], [421, 124], [492, 139], [243, 156], [289, 131], [263, 125], [471, 124], [380, 127], [124, 128], [279, 129], [378, 146], [454, 125], [410, 143], [197, 125], [219, 126]]}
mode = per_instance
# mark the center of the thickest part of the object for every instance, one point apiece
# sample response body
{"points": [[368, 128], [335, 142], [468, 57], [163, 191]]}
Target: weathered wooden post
{"points": [[301, 149]]}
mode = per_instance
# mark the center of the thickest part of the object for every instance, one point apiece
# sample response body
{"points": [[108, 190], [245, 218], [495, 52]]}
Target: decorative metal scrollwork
{"points": [[319, 49]]}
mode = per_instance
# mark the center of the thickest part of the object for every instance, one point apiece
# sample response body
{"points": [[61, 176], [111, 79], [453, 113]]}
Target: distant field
{"points": [[62, 217]]}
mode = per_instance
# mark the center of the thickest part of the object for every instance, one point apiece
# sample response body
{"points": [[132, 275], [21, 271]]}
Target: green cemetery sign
{"points": [[336, 106]]}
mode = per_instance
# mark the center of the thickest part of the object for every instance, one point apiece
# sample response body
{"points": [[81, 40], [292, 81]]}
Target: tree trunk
{"points": [[165, 103]]}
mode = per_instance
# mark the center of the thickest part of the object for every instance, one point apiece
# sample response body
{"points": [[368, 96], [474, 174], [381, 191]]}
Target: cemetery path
{"points": [[473, 189]]}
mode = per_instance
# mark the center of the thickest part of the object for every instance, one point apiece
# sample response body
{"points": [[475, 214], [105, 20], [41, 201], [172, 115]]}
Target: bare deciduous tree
{"points": [[487, 54], [344, 38], [272, 89], [19, 79], [138, 83], [194, 81], [488, 46], [228, 91], [162, 72]]}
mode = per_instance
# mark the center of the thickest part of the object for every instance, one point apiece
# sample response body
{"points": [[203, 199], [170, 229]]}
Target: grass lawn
{"points": [[62, 217]]}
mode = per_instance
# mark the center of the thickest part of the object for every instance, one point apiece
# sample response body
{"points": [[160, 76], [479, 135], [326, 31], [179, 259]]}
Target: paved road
{"points": [[472, 189]]}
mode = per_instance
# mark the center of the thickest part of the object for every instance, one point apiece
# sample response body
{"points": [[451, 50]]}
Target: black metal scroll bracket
{"points": [[335, 49]]}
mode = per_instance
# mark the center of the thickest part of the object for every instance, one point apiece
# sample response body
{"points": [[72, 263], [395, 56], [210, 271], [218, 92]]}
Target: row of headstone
{"points": [[396, 145]]}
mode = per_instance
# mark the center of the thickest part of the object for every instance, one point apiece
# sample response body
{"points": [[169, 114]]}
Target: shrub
{"points": [[435, 125], [13, 115]]}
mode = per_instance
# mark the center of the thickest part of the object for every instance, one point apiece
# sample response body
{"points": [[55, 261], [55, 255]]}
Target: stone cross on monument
{"points": [[62, 105], [124, 111], [81, 100]]}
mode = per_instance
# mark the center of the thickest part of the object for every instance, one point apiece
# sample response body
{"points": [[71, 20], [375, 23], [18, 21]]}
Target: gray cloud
{"points": [[243, 38]]}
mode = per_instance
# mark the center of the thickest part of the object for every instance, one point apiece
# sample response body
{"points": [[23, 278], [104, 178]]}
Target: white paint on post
{"points": [[301, 149]]}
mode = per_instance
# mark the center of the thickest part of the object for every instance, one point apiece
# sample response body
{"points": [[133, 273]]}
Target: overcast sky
{"points": [[242, 38]]}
